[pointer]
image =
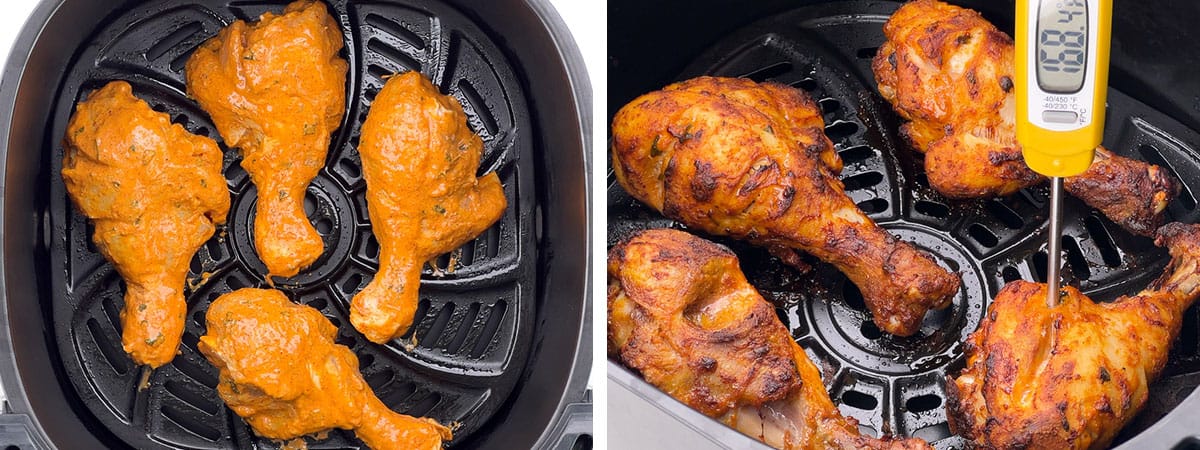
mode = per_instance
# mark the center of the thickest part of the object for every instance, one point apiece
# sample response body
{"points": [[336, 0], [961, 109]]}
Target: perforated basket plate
{"points": [[895, 385], [473, 325]]}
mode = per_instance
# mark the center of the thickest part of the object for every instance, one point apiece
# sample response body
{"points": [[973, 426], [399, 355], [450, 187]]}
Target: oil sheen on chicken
{"points": [[1069, 377], [949, 72], [419, 160], [155, 194], [748, 160], [276, 89], [681, 314], [281, 371]]}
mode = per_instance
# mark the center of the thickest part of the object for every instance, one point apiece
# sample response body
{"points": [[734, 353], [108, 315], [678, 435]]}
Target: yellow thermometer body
{"points": [[1061, 80]]}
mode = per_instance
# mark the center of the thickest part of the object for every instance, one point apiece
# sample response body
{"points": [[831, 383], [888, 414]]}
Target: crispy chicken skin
{"points": [[682, 314], [738, 158], [419, 160], [1071, 376], [281, 370], [276, 90], [949, 72], [155, 194]]}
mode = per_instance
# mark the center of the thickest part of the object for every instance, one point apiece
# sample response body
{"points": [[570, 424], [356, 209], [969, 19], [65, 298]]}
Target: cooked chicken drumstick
{"points": [[737, 158], [682, 314], [276, 89], [419, 160], [281, 370], [155, 194], [949, 72], [1071, 376]]}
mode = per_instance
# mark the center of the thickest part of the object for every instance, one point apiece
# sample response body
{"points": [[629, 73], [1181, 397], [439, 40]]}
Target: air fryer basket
{"points": [[895, 385], [493, 343]]}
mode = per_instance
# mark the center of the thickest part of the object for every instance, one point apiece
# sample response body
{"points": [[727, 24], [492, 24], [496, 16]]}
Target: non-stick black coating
{"points": [[894, 385], [545, 386]]}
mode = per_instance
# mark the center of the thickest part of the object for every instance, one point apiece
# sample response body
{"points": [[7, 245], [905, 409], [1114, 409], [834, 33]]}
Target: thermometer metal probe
{"points": [[1061, 80]]}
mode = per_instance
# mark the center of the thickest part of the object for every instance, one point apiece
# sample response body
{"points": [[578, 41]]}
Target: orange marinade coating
{"points": [[276, 89], [419, 159], [155, 194], [281, 370]]}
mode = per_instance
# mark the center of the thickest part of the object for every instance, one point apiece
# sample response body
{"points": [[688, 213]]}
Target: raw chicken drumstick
{"points": [[281, 371], [683, 316], [276, 89], [949, 72], [155, 194], [738, 158], [1069, 377], [419, 160]]}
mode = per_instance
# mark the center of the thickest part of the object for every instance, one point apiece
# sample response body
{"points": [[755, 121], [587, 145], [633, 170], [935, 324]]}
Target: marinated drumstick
{"points": [[1071, 376], [155, 194], [281, 371], [682, 314], [419, 160], [949, 72], [276, 89], [737, 158]]}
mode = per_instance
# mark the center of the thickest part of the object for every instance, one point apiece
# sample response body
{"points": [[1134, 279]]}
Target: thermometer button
{"points": [[1060, 116]]}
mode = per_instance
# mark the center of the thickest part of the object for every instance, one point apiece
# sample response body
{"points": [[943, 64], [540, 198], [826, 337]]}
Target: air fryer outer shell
{"points": [[550, 407]]}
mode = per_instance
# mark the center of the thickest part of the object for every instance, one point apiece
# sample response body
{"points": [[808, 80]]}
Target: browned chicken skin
{"points": [[949, 72], [682, 314], [155, 194], [281, 370], [737, 158], [419, 159], [276, 89], [1071, 376]]}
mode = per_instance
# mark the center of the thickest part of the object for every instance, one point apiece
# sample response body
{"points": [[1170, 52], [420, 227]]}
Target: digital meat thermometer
{"points": [[1061, 78]]}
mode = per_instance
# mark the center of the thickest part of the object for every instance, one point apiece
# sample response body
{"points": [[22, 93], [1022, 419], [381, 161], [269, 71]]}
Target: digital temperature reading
{"points": [[1062, 45], [1061, 79]]}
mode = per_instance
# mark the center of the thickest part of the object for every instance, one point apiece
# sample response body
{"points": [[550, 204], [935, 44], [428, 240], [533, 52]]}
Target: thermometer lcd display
{"points": [[1062, 45]]}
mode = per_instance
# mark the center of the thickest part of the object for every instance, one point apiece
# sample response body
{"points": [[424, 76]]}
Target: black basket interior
{"points": [[475, 320], [895, 385]]}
